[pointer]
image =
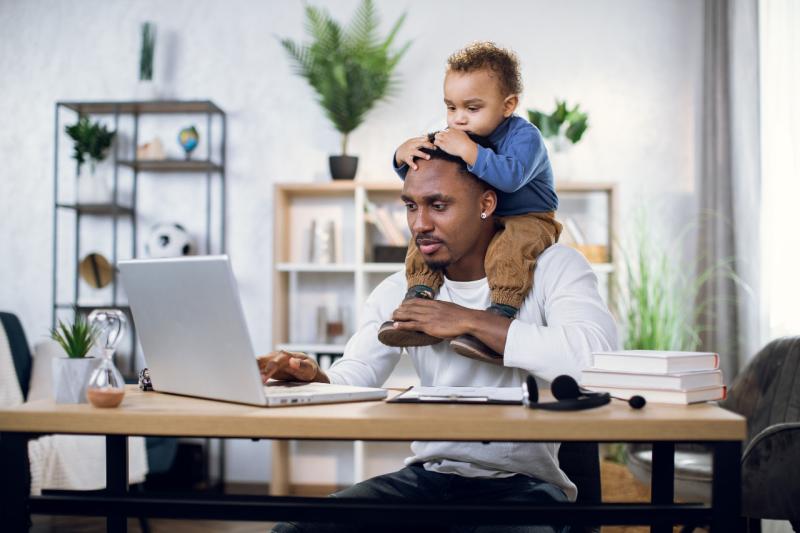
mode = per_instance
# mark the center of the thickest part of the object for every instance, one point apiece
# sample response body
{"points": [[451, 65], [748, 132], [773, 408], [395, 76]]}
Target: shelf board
{"points": [[172, 165], [310, 347], [384, 267], [604, 268], [142, 107], [84, 308], [339, 187], [584, 187], [98, 209], [314, 267]]}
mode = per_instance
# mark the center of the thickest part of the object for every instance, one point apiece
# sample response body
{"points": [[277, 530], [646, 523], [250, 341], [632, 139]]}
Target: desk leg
{"points": [[279, 485], [662, 484], [726, 487], [15, 488], [116, 478]]}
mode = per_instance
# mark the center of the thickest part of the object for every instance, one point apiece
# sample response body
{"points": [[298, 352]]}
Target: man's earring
{"points": [[483, 216]]}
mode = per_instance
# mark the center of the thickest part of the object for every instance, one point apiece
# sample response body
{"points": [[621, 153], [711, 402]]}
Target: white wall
{"points": [[635, 65]]}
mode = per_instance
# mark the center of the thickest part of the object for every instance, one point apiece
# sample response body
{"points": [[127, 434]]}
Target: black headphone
{"points": [[570, 396]]}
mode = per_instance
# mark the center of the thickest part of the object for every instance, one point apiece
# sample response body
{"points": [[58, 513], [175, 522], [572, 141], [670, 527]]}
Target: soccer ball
{"points": [[169, 240]]}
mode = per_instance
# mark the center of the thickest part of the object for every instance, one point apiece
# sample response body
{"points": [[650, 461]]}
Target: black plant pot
{"points": [[343, 167]]}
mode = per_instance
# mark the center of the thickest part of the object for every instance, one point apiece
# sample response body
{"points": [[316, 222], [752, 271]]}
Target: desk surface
{"points": [[151, 413]]}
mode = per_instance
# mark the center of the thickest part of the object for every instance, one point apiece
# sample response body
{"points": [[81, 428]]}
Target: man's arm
{"points": [[577, 320], [367, 362], [447, 320]]}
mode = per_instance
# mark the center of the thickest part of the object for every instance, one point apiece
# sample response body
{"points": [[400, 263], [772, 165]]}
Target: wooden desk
{"points": [[166, 415]]}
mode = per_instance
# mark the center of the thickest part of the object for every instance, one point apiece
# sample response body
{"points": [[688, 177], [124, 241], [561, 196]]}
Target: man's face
{"points": [[474, 102], [443, 208]]}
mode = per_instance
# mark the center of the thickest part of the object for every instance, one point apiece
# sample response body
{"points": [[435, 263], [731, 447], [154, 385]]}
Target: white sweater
{"points": [[561, 322]]}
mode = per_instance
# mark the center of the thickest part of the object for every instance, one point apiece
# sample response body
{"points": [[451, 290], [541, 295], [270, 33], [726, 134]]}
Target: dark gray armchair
{"points": [[767, 393]]}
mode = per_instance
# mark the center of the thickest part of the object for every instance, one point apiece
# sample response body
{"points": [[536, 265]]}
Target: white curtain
{"points": [[780, 126]]}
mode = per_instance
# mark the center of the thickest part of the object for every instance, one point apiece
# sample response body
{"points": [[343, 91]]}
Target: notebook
{"points": [[195, 339]]}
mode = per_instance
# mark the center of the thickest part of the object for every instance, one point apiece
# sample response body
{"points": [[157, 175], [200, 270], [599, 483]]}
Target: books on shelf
{"points": [[658, 376], [667, 396], [654, 361]]}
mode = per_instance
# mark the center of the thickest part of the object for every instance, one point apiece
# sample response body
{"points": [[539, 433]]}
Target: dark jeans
{"points": [[414, 483]]}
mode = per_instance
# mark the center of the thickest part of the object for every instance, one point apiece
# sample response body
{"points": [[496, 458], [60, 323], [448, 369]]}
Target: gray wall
{"points": [[633, 64]]}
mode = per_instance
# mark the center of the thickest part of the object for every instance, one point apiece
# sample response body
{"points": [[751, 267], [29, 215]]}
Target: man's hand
{"points": [[440, 319], [290, 366], [457, 142], [409, 150]]}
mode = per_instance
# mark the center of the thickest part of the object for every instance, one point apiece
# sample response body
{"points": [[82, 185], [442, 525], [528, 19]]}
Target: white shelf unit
{"points": [[299, 285]]}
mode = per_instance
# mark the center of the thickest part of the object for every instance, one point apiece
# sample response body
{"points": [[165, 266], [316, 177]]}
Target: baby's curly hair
{"points": [[485, 54]]}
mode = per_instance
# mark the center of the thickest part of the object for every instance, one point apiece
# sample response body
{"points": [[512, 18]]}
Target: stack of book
{"points": [[660, 377]]}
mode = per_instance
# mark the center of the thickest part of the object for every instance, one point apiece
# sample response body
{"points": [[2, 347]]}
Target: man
{"points": [[560, 323]]}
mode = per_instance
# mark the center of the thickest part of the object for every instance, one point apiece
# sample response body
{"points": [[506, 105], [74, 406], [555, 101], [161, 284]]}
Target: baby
{"points": [[482, 86]]}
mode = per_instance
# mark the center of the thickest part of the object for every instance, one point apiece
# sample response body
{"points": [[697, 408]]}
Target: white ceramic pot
{"points": [[70, 377], [93, 187]]}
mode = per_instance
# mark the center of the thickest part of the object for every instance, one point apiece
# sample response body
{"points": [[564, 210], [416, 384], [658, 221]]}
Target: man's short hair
{"points": [[487, 55]]}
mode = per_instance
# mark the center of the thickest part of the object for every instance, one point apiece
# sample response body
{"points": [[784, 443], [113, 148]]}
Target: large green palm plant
{"points": [[350, 68]]}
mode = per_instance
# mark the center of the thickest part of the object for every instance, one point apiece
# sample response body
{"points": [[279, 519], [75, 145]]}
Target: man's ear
{"points": [[510, 105], [488, 202]]}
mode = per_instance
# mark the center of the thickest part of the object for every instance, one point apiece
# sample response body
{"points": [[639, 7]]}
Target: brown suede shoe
{"points": [[474, 348], [401, 338]]}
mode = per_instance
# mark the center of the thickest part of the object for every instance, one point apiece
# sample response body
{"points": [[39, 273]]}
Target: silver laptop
{"points": [[195, 339]]}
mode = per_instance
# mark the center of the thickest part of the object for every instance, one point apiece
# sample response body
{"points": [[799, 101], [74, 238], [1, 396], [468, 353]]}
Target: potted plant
{"points": [[71, 373], [90, 140], [563, 127], [350, 68], [147, 52]]}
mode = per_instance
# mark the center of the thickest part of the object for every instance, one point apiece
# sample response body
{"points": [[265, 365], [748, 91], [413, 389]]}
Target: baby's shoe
{"points": [[472, 347], [402, 338]]}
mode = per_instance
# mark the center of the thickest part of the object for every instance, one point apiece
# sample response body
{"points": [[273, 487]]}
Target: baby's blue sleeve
{"points": [[402, 170], [518, 161]]}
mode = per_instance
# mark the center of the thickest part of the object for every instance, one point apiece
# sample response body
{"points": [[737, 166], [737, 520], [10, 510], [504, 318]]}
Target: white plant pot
{"points": [[146, 90], [93, 188], [70, 377]]}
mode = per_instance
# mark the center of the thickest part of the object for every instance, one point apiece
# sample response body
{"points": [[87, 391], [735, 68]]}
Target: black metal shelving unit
{"points": [[116, 211], [212, 166]]}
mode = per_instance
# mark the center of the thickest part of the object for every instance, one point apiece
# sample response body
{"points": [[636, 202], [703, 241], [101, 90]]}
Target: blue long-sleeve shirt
{"points": [[519, 169]]}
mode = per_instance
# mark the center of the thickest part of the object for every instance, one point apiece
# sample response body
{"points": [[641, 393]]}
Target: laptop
{"points": [[195, 339]]}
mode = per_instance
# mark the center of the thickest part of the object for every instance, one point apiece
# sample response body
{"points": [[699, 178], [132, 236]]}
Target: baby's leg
{"points": [[422, 283], [509, 263], [419, 274], [512, 255]]}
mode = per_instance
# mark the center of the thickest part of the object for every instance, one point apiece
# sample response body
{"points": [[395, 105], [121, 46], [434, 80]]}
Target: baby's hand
{"points": [[456, 142], [409, 150]]}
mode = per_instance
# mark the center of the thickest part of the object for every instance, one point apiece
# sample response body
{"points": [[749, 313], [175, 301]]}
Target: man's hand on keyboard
{"points": [[290, 366]]}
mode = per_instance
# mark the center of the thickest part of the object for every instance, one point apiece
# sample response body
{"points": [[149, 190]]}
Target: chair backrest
{"points": [[767, 391], [20, 352]]}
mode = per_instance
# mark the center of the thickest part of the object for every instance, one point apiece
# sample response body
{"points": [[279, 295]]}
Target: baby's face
{"points": [[475, 103]]}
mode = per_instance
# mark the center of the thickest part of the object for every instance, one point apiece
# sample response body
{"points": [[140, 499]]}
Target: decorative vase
{"points": [[146, 90], [343, 167], [560, 157], [70, 377], [93, 188]]}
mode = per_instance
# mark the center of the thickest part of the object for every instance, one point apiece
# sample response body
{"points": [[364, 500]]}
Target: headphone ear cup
{"points": [[533, 390], [564, 387]]}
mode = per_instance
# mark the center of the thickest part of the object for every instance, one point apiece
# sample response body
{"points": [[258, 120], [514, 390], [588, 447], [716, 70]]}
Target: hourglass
{"points": [[106, 387]]}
